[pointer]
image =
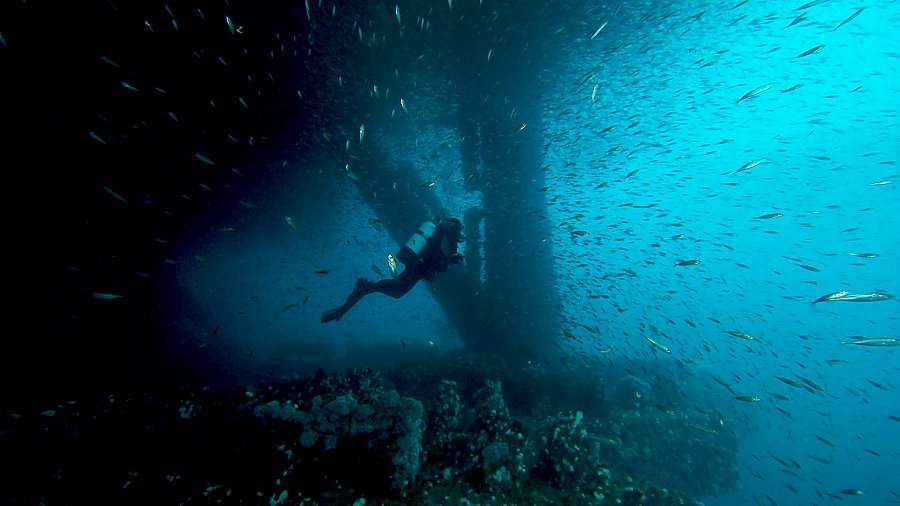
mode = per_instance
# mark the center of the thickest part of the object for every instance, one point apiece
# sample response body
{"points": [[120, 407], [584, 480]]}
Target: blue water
{"points": [[822, 147]]}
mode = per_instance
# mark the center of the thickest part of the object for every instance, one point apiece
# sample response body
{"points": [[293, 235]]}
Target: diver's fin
{"points": [[332, 315]]}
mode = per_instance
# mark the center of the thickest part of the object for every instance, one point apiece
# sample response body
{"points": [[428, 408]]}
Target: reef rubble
{"points": [[352, 438]]}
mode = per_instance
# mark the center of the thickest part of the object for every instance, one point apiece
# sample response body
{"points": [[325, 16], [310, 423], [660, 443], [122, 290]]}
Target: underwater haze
{"points": [[679, 225]]}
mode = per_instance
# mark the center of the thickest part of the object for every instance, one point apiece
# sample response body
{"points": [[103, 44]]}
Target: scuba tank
{"points": [[409, 253]]}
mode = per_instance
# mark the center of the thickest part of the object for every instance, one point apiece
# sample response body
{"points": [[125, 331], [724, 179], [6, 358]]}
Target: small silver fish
{"points": [[831, 296], [874, 341], [96, 137], [114, 194], [203, 158], [810, 51], [658, 345], [851, 18], [864, 297], [742, 335], [392, 264], [702, 428], [293, 224], [105, 296], [798, 19], [597, 32], [748, 166], [754, 92], [129, 86]]}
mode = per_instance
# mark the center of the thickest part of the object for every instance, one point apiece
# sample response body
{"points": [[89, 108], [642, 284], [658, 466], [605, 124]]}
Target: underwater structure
{"points": [[493, 116], [516, 294]]}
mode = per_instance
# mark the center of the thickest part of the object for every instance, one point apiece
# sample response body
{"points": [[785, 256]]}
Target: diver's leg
{"points": [[362, 288], [397, 288]]}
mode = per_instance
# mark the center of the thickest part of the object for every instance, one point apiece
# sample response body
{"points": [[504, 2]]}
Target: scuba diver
{"points": [[430, 251]]}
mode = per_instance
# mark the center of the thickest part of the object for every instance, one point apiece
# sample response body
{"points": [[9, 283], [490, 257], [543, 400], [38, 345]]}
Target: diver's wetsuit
{"points": [[436, 256]]}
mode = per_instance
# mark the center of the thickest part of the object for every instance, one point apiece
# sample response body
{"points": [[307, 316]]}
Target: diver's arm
{"points": [[444, 237]]}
